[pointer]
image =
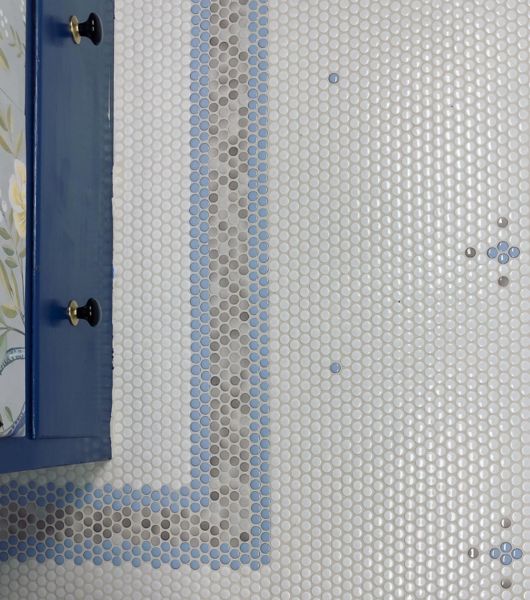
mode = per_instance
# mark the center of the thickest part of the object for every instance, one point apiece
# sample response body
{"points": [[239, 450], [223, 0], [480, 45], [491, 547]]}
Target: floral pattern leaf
{"points": [[9, 311], [4, 145], [3, 346], [18, 146], [9, 414], [4, 64], [20, 308], [4, 279]]}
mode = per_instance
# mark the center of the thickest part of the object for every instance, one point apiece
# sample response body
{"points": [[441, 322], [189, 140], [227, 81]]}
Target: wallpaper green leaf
{"points": [[3, 60]]}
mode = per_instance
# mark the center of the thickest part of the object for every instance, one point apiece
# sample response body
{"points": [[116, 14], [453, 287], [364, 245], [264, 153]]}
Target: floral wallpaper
{"points": [[12, 217]]}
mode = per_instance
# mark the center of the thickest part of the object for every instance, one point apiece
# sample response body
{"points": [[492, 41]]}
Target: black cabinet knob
{"points": [[90, 312], [91, 29]]}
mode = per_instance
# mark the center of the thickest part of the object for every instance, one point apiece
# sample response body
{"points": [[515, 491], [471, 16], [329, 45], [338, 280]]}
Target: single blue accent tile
{"points": [[335, 367], [503, 258], [514, 252], [517, 553], [495, 553], [503, 246], [492, 252], [506, 547], [506, 559], [333, 78]]}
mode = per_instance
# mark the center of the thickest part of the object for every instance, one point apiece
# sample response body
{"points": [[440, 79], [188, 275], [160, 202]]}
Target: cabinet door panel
{"points": [[71, 367]]}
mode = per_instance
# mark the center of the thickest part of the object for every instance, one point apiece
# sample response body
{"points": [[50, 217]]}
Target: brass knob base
{"points": [[71, 313], [74, 29]]}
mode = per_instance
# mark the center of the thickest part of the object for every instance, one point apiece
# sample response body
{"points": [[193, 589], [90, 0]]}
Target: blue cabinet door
{"points": [[71, 367], [69, 139]]}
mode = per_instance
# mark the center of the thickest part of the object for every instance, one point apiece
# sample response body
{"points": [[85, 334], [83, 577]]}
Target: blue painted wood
{"points": [[72, 227], [19, 454]]}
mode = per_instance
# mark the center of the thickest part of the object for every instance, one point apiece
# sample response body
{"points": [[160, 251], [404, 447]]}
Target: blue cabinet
{"points": [[69, 90]]}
